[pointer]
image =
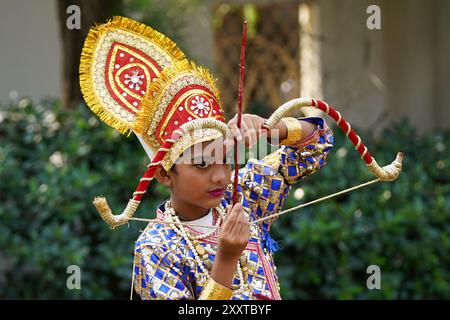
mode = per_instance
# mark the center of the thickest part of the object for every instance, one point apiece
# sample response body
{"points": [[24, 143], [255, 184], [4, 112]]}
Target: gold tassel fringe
{"points": [[106, 214], [150, 102], [87, 59], [151, 34]]}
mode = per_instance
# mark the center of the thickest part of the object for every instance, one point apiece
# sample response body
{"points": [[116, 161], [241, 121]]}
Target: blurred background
{"points": [[390, 83]]}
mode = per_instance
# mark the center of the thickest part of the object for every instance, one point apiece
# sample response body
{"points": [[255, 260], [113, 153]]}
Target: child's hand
{"points": [[233, 239], [234, 235], [251, 129]]}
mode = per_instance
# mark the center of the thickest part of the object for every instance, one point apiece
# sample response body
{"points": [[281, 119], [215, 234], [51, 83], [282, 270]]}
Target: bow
{"points": [[387, 173]]}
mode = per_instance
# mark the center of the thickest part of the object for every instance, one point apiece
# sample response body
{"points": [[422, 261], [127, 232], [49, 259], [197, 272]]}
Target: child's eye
{"points": [[202, 165]]}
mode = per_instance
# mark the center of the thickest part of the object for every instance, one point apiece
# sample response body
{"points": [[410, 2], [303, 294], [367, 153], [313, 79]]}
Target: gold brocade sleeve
{"points": [[158, 271], [264, 184]]}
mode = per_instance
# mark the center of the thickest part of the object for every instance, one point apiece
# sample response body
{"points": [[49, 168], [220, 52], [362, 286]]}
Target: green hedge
{"points": [[53, 162], [401, 226]]}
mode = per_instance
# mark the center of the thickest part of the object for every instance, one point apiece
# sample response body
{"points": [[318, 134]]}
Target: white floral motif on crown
{"points": [[135, 79], [200, 106]]}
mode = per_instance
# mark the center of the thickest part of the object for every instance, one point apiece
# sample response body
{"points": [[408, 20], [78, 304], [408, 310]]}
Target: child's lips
{"points": [[216, 192]]}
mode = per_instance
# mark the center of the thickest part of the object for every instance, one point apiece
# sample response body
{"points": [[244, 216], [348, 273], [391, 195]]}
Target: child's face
{"points": [[203, 169]]}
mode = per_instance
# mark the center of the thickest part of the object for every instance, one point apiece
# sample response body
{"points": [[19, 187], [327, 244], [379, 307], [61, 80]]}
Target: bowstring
{"points": [[362, 185]]}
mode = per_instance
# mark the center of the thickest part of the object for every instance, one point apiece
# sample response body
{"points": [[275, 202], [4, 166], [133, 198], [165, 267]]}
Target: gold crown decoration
{"points": [[182, 93], [136, 79], [119, 61]]}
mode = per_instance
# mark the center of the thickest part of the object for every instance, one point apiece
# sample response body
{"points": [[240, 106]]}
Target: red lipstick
{"points": [[216, 192]]}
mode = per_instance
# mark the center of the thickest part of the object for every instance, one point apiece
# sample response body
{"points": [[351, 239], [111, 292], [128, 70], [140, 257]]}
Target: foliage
{"points": [[401, 226], [52, 164]]}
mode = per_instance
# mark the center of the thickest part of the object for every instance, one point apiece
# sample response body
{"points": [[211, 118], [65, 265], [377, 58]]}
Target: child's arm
{"points": [[252, 129], [264, 184], [304, 157]]}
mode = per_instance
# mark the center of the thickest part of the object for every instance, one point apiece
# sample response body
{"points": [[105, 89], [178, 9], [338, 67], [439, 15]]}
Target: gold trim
{"points": [[294, 131], [127, 90], [152, 66], [146, 64], [187, 141], [151, 105], [164, 43], [177, 104], [95, 34], [215, 291], [87, 87]]}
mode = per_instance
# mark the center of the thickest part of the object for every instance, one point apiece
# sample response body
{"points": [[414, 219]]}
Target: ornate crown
{"points": [[136, 79]]}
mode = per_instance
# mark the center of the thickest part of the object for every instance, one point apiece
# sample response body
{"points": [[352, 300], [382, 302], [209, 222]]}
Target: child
{"points": [[173, 262], [200, 246]]}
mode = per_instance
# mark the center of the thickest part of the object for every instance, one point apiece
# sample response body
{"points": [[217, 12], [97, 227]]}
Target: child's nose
{"points": [[220, 174]]}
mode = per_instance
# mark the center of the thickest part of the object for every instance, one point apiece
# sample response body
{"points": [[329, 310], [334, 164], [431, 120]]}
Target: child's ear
{"points": [[163, 177]]}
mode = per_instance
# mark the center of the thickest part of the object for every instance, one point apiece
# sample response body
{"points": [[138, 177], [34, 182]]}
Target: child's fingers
{"points": [[244, 130], [240, 224], [253, 137], [225, 219], [230, 219], [241, 230], [258, 123], [244, 233], [249, 131], [229, 207], [234, 129]]}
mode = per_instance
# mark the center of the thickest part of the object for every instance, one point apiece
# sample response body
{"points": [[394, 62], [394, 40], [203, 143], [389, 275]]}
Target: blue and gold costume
{"points": [[165, 267], [137, 80]]}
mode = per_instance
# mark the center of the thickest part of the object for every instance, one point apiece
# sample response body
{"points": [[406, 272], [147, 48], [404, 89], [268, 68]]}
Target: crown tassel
{"points": [[101, 204]]}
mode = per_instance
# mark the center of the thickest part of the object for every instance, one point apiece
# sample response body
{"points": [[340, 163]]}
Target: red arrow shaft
{"points": [[239, 111]]}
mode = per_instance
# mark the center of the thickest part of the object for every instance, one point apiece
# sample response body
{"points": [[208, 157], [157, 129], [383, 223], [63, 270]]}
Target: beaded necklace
{"points": [[201, 253]]}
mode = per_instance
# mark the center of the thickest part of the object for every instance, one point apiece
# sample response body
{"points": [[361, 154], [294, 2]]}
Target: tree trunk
{"points": [[92, 12]]}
